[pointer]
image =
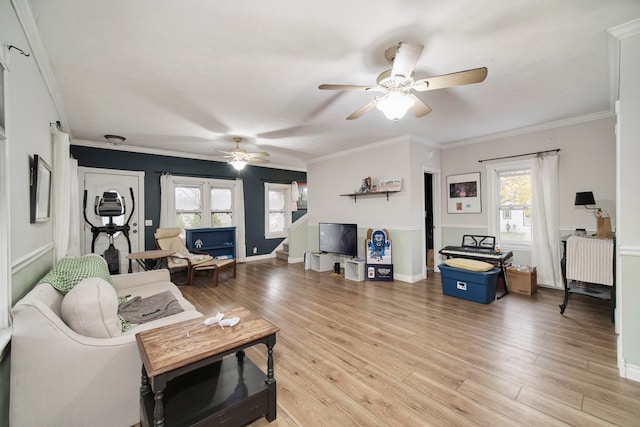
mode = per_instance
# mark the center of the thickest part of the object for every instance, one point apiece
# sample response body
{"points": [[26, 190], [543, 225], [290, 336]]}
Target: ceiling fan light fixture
{"points": [[395, 105], [238, 164]]}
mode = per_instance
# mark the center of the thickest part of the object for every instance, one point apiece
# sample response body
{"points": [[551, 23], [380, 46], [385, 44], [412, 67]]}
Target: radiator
{"points": [[590, 260]]}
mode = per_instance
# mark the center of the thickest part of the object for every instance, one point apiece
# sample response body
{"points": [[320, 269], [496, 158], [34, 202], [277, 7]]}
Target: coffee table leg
{"points": [[271, 384], [240, 355], [158, 409], [144, 387]]}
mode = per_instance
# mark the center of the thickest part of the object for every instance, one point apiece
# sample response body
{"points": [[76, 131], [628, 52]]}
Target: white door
{"points": [[96, 182]]}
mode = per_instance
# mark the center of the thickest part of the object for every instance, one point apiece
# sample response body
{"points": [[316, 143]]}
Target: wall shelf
{"points": [[371, 193]]}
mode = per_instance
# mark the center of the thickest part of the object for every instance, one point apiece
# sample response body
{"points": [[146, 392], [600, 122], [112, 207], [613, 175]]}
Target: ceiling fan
{"points": [[239, 157], [398, 84]]}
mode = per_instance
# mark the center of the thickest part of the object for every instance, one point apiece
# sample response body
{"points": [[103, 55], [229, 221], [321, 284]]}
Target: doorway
{"points": [[97, 181], [428, 220]]}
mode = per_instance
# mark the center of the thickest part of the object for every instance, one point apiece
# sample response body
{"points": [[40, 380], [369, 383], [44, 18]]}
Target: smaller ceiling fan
{"points": [[398, 84], [239, 157]]}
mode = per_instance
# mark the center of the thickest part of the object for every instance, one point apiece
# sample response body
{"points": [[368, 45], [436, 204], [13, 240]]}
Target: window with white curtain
{"points": [[277, 210], [510, 206], [203, 203]]}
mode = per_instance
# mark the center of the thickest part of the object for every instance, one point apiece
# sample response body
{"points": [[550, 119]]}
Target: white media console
{"points": [[321, 262]]}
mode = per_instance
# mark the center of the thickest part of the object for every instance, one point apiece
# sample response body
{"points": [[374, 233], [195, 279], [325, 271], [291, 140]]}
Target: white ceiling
{"points": [[187, 76]]}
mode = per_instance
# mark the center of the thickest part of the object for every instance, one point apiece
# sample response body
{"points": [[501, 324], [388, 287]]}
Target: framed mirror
{"points": [[40, 192]]}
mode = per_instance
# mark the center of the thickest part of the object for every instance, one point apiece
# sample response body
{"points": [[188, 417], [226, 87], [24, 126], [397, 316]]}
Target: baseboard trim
{"points": [[260, 257], [632, 372]]}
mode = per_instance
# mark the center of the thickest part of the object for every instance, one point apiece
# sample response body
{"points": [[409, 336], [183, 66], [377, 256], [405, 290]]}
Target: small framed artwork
{"points": [[40, 190], [302, 198], [463, 193]]}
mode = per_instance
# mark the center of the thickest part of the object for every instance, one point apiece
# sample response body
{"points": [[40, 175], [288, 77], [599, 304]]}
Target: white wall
{"points": [[402, 214], [628, 236], [30, 109], [587, 163]]}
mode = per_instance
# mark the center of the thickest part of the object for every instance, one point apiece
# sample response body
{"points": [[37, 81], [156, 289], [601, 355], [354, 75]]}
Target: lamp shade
{"points": [[238, 164], [395, 105], [585, 198]]}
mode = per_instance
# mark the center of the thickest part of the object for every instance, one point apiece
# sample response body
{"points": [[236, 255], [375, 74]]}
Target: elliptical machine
{"points": [[110, 206]]}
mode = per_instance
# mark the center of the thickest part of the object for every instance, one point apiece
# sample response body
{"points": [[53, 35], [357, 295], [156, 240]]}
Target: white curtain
{"points": [[75, 221], [167, 201], [241, 249], [546, 235], [65, 194], [295, 194]]}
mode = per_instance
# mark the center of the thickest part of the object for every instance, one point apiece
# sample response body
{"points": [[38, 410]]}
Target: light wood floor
{"points": [[399, 354]]}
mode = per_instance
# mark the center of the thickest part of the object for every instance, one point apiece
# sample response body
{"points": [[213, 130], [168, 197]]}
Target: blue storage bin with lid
{"points": [[477, 286]]}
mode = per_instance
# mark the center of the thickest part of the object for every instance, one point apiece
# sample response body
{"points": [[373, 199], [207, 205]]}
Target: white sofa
{"points": [[62, 378]]}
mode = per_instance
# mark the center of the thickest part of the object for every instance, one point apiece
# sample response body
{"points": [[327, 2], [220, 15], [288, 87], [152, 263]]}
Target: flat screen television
{"points": [[339, 238]]}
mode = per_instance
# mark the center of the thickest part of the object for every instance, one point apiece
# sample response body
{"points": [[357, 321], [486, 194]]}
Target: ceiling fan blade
{"points": [[259, 154], [359, 112], [406, 59], [258, 160], [419, 108], [345, 87], [460, 78]]}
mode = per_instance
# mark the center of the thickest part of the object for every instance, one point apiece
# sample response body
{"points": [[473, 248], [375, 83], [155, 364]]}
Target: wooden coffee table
{"points": [[188, 380]]}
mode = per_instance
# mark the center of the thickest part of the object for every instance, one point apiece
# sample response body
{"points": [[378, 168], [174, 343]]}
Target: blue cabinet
{"points": [[218, 242]]}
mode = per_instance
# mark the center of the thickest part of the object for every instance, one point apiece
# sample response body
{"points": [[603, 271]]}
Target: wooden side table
{"points": [[159, 256], [189, 380]]}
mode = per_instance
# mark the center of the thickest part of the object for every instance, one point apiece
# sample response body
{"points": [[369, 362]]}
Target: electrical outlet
{"points": [[148, 222], [255, 249]]}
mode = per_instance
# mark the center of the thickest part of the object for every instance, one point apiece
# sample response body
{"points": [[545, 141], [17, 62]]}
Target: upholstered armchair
{"points": [[191, 260]]}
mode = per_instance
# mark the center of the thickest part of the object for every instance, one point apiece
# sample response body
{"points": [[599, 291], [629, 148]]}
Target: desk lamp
{"points": [[586, 199]]}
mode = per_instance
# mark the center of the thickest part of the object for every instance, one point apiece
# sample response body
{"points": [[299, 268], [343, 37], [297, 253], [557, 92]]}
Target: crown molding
{"points": [[626, 30], [531, 129], [366, 147]]}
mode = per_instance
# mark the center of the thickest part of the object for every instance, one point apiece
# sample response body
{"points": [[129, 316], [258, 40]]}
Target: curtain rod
{"points": [[537, 153], [196, 175]]}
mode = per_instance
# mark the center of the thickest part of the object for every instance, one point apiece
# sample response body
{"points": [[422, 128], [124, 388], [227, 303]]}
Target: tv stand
{"points": [[321, 261]]}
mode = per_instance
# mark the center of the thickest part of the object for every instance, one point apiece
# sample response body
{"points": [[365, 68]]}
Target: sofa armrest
{"points": [[121, 281], [48, 359]]}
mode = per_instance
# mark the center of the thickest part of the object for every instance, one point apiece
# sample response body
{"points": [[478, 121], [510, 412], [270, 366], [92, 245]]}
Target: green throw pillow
{"points": [[70, 271]]}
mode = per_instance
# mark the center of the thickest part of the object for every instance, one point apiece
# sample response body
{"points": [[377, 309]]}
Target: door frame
{"points": [[82, 170], [437, 228]]}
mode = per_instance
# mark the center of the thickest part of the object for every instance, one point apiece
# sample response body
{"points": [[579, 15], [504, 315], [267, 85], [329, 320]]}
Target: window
{"points": [[510, 204], [221, 207], [277, 210], [203, 203]]}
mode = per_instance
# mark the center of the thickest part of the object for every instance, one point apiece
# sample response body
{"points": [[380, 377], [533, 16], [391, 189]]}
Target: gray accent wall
{"points": [[153, 165]]}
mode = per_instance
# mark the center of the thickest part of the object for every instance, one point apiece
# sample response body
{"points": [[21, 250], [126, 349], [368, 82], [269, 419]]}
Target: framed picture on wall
{"points": [[463, 193], [40, 191], [302, 198]]}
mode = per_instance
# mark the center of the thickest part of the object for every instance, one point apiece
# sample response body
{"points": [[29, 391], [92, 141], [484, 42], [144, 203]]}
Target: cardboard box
{"points": [[477, 286], [522, 282]]}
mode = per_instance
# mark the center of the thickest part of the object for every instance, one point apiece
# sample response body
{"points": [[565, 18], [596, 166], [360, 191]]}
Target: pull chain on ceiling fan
{"points": [[398, 84]]}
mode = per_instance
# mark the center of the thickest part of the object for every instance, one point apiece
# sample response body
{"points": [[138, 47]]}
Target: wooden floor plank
{"points": [[396, 353]]}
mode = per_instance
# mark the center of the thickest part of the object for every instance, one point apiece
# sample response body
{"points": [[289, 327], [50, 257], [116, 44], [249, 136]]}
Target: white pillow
{"points": [[91, 309]]}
